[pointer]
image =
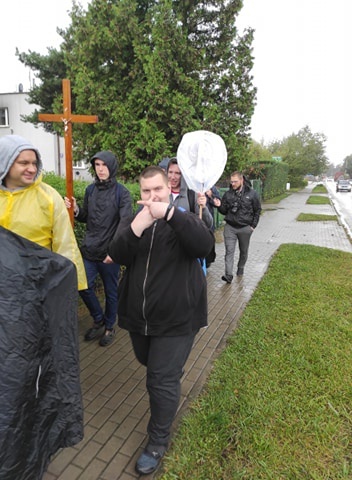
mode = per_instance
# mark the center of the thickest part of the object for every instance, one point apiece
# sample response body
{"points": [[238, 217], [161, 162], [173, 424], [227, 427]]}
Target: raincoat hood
{"points": [[10, 147], [110, 161]]}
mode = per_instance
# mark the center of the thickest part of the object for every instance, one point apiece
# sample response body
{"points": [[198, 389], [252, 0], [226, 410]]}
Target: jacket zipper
{"points": [[37, 381], [146, 277]]}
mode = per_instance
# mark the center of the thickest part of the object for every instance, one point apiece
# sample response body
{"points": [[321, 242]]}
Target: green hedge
{"points": [[272, 174], [79, 187]]}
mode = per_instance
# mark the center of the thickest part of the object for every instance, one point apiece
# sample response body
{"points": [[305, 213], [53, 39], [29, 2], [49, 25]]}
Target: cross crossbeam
{"points": [[67, 118]]}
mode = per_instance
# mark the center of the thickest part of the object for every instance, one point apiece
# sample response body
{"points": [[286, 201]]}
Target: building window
{"points": [[4, 117], [81, 165]]}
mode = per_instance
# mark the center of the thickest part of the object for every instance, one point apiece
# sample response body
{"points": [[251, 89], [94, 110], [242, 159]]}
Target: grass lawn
{"points": [[278, 402]]}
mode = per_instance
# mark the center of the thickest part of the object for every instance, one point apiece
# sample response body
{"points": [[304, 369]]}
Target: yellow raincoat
{"points": [[39, 214]]}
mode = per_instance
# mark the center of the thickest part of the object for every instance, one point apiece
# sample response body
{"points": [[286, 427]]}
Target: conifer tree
{"points": [[152, 71]]}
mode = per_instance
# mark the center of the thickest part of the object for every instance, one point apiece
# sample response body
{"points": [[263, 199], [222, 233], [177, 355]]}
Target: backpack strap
{"points": [[191, 200], [90, 189], [117, 194]]}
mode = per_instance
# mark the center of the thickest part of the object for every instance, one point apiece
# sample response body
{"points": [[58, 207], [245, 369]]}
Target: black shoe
{"points": [[107, 338], [227, 278], [96, 330], [148, 462], [240, 272]]}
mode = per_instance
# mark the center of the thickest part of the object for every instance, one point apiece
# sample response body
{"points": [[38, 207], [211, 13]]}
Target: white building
{"points": [[51, 146]]}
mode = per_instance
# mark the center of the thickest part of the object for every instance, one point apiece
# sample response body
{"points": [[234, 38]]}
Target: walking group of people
{"points": [[161, 246]]}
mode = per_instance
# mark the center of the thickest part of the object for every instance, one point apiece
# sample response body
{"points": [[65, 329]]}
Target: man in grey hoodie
{"points": [[32, 208], [183, 197]]}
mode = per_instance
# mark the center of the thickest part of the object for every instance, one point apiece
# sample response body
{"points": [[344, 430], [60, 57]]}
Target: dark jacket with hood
{"points": [[241, 208], [101, 212], [40, 392], [164, 290]]}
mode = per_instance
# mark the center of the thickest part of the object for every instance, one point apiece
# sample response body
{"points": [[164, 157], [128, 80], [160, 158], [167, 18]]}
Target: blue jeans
{"points": [[109, 273]]}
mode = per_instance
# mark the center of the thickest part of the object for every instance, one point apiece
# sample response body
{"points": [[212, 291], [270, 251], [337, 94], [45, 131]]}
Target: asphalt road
{"points": [[343, 205]]}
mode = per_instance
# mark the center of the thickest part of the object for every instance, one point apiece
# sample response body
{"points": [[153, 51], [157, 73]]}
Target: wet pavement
{"points": [[113, 383]]}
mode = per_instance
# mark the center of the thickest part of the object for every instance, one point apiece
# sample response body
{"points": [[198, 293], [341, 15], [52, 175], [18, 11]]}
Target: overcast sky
{"points": [[28, 25], [302, 67]]}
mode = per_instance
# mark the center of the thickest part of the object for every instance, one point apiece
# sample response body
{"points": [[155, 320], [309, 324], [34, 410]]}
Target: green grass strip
{"points": [[315, 217], [317, 200], [278, 403], [320, 188]]}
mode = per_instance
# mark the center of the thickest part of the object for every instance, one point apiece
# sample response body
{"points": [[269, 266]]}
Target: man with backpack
{"points": [[105, 202], [184, 197]]}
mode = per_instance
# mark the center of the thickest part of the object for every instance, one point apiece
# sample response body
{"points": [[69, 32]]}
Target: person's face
{"points": [[23, 170], [236, 182], [174, 176], [155, 189], [101, 169]]}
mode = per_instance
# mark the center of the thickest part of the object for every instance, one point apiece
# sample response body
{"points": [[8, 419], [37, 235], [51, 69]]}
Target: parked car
{"points": [[343, 186]]}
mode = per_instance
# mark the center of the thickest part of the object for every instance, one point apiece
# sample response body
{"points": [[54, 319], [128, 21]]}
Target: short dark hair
{"points": [[151, 171], [237, 174], [172, 161]]}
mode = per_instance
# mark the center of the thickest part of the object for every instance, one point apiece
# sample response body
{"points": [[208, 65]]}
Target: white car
{"points": [[343, 186]]}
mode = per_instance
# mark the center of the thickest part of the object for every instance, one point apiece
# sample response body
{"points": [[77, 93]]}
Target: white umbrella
{"points": [[202, 157]]}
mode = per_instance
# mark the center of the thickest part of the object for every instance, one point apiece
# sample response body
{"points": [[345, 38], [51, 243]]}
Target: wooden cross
{"points": [[67, 118]]}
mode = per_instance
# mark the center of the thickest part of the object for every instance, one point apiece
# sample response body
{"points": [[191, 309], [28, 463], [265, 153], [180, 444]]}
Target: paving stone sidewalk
{"points": [[113, 383]]}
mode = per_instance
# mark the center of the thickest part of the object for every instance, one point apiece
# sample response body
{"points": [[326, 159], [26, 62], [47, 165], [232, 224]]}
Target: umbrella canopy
{"points": [[202, 157]]}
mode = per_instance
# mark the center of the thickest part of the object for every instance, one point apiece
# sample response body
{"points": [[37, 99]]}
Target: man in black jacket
{"points": [[105, 202], [241, 207], [163, 298]]}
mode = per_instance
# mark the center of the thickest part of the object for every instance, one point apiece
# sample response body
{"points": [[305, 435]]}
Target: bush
{"points": [[297, 182]]}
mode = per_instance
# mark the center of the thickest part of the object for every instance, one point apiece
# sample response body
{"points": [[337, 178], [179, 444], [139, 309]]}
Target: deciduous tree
{"points": [[304, 152]]}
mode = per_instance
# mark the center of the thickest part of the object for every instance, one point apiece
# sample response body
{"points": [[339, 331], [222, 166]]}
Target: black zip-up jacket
{"points": [[163, 291], [247, 206], [101, 213]]}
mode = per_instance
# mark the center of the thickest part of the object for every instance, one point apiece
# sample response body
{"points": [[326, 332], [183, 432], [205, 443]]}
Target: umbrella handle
{"points": [[200, 211]]}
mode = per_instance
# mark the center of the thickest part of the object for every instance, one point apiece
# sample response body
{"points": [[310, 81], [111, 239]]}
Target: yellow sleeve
{"points": [[64, 240]]}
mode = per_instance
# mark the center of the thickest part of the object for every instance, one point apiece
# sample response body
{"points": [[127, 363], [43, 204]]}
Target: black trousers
{"points": [[164, 358]]}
